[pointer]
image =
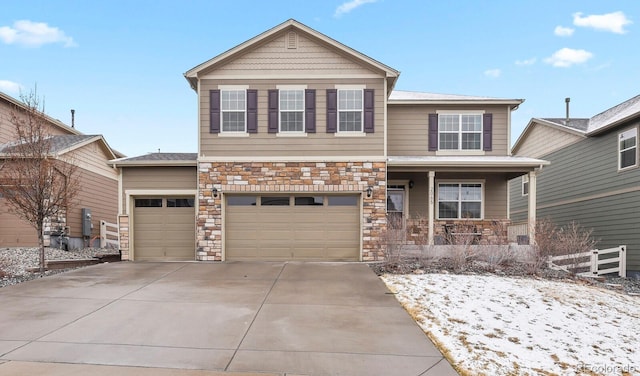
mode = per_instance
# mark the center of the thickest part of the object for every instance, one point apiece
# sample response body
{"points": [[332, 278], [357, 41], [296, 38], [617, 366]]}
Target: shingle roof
{"points": [[580, 124], [58, 143], [159, 159], [623, 111], [408, 96], [164, 157]]}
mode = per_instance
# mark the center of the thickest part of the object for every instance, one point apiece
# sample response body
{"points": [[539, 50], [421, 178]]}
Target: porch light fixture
{"points": [[411, 184], [369, 192], [215, 192]]}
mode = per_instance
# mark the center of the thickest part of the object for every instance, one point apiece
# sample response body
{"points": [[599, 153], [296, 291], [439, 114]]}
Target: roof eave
{"points": [[56, 122], [121, 163], [533, 163], [513, 102], [616, 123]]}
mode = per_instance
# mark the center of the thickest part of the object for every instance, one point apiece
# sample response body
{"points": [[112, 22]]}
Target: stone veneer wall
{"points": [[289, 177], [123, 230]]}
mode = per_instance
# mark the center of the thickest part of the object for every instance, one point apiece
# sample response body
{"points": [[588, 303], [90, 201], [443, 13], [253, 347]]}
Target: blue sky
{"points": [[120, 64]]}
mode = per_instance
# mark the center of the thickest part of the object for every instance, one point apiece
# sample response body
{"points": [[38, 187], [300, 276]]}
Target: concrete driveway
{"points": [[211, 318]]}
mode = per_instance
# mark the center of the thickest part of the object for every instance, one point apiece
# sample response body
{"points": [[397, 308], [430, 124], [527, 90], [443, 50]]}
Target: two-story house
{"points": [[593, 178], [305, 150], [98, 180]]}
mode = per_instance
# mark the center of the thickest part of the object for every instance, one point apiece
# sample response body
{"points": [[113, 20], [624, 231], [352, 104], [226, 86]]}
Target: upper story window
{"points": [[233, 110], [291, 110], [459, 200], [628, 149], [350, 110], [460, 132], [233, 105]]}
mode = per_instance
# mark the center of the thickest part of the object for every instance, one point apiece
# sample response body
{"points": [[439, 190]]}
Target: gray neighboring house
{"points": [[594, 176]]}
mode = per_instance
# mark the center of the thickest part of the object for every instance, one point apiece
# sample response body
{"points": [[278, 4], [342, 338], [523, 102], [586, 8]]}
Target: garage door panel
{"points": [[164, 233], [298, 232]]}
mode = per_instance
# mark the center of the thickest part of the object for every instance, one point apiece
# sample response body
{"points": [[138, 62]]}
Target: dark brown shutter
{"points": [[273, 111], [252, 111], [310, 111], [332, 110], [487, 132], [369, 99], [214, 111], [433, 132]]}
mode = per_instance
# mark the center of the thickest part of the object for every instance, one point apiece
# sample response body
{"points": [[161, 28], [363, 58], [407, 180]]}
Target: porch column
{"points": [[431, 205], [532, 207]]}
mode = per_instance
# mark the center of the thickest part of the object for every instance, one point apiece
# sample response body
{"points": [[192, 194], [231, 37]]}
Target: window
{"points": [[525, 185], [459, 200], [395, 206], [274, 201], [148, 202], [460, 131], [628, 148], [233, 107], [343, 200], [309, 201], [241, 200], [350, 110], [291, 110], [180, 202]]}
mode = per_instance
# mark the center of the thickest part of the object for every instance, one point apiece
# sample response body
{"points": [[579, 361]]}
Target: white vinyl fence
{"points": [[109, 235], [594, 263]]}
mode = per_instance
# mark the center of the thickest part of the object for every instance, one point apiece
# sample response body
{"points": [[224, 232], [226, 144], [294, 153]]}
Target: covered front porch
{"points": [[441, 200]]}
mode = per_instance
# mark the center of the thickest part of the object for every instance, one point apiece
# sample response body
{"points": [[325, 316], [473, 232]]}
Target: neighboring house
{"points": [[594, 176], [99, 181], [304, 148]]}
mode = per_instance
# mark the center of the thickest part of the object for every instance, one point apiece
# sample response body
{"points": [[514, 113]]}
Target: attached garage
{"points": [[164, 228], [292, 227]]}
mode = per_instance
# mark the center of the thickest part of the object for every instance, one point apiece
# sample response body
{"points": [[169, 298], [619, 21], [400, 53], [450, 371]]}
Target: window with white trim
{"points": [[395, 205], [525, 185], [350, 110], [460, 200], [233, 107], [460, 131], [628, 149], [291, 110]]}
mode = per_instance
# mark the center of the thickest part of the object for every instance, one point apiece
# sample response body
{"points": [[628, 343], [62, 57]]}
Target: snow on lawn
{"points": [[520, 326]]}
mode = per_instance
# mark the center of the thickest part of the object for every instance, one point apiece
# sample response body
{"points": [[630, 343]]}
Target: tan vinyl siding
{"points": [[98, 193], [14, 232], [92, 157], [408, 127], [495, 191], [158, 178], [264, 144], [7, 129], [542, 140], [273, 57]]}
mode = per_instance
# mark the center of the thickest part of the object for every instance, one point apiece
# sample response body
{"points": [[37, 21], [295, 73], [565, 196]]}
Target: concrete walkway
{"points": [[209, 319]]}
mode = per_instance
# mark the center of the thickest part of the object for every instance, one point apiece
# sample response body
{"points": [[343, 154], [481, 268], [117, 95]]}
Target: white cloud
{"points": [[527, 61], [10, 87], [613, 22], [347, 7], [493, 73], [562, 31], [34, 34], [567, 57]]}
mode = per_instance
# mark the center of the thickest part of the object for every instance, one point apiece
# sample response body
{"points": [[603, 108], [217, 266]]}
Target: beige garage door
{"points": [[292, 227], [164, 229]]}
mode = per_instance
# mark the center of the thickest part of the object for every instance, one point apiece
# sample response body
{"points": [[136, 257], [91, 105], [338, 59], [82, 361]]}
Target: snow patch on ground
{"points": [[504, 326]]}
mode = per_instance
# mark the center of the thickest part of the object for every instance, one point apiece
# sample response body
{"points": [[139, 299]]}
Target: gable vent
{"points": [[292, 40]]}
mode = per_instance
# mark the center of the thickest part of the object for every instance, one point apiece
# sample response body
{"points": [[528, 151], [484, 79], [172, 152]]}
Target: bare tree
{"points": [[36, 184]]}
